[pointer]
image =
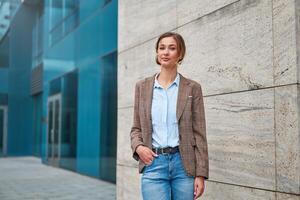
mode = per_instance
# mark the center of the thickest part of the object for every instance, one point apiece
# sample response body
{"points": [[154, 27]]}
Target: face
{"points": [[167, 52]]}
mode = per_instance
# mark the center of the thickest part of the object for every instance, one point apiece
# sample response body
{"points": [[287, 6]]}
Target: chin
{"points": [[167, 65]]}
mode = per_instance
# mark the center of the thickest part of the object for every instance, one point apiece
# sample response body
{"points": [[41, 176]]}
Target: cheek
{"points": [[159, 54], [175, 57]]}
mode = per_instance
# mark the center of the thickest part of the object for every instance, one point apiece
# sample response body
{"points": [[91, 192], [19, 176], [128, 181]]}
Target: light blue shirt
{"points": [[163, 111]]}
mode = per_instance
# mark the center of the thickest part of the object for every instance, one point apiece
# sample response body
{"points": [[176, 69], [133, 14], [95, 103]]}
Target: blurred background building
{"points": [[58, 83]]}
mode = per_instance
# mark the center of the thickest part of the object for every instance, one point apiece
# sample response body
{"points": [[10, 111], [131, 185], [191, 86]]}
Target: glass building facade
{"points": [[58, 85]]}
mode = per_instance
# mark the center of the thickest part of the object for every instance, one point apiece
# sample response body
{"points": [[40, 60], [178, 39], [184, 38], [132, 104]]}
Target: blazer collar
{"points": [[183, 92]]}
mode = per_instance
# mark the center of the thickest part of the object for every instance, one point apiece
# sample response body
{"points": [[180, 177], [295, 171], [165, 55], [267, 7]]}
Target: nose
{"points": [[166, 51]]}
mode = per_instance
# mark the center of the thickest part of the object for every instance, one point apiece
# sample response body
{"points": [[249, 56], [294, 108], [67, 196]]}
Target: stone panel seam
{"points": [[126, 165], [274, 101], [205, 15], [142, 43], [226, 93], [244, 186], [241, 91], [124, 107], [177, 26]]}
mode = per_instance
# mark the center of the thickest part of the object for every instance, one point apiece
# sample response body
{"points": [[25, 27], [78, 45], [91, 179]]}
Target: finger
{"points": [[145, 159], [153, 154], [195, 188], [147, 162], [197, 195], [149, 159], [197, 192]]}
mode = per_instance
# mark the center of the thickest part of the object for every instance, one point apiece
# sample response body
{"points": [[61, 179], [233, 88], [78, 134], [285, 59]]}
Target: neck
{"points": [[167, 76]]}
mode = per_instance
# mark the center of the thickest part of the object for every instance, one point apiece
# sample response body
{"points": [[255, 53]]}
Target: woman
{"points": [[168, 135]]}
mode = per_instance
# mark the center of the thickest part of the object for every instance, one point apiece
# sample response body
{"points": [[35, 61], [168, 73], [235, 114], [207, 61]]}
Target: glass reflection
{"points": [[86, 84], [56, 128], [50, 123], [37, 127], [108, 118], [64, 17], [1, 130], [69, 121]]}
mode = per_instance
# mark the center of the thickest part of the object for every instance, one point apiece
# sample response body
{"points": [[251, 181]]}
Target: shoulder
{"points": [[192, 83], [144, 81], [195, 86]]}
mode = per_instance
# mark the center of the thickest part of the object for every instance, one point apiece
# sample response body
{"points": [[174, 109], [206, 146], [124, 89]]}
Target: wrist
{"points": [[200, 177]]}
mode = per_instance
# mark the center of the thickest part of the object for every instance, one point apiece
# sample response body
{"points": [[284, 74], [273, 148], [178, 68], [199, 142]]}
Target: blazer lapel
{"points": [[183, 93], [148, 91]]}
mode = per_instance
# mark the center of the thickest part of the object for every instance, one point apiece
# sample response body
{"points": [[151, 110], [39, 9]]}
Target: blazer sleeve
{"points": [[199, 130], [136, 132]]}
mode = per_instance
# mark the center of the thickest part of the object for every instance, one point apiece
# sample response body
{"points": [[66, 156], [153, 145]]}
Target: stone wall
{"points": [[245, 54]]}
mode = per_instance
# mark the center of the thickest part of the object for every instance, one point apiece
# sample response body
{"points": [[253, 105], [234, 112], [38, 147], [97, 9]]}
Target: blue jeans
{"points": [[166, 179]]}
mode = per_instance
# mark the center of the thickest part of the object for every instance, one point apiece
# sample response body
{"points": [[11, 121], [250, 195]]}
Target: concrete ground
{"points": [[26, 178]]}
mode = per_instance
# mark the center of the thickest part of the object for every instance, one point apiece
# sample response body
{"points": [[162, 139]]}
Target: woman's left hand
{"points": [[198, 187]]}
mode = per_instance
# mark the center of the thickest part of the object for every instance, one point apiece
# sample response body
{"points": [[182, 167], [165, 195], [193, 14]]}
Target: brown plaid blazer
{"points": [[191, 123]]}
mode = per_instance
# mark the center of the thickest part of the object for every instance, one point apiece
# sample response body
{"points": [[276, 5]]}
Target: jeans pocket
{"points": [[149, 166]]}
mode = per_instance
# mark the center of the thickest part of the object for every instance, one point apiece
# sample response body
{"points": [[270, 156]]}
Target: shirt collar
{"points": [[157, 85]]}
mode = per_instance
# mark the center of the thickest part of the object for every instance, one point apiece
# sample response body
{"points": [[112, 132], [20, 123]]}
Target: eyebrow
{"points": [[168, 45]]}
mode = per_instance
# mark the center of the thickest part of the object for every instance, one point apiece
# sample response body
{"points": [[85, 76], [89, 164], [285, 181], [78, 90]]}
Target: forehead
{"points": [[168, 41]]}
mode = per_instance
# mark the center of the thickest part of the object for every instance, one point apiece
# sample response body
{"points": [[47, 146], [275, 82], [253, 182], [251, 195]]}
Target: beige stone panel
{"points": [[287, 138], [281, 196], [133, 65], [140, 21], [285, 52], [128, 183], [241, 140], [124, 153], [297, 8], [189, 10], [231, 49], [221, 191]]}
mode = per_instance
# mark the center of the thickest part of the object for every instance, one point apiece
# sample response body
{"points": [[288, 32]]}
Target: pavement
{"points": [[26, 178]]}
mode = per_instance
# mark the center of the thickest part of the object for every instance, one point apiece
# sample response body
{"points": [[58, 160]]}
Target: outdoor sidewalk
{"points": [[26, 178]]}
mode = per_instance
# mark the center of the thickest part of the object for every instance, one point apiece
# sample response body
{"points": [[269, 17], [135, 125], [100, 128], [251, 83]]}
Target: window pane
{"points": [[70, 6], [56, 12]]}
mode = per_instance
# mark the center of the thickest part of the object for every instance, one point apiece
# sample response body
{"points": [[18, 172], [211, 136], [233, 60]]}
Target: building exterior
{"points": [[245, 54], [58, 84], [68, 70]]}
